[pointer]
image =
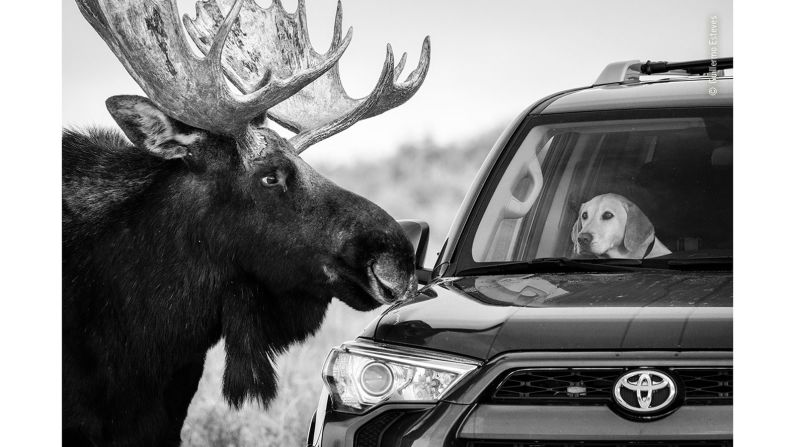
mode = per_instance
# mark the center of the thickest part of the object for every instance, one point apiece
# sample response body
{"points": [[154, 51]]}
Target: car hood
{"points": [[485, 316]]}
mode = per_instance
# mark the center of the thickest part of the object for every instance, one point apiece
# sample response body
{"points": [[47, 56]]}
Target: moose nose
{"points": [[393, 281], [585, 238]]}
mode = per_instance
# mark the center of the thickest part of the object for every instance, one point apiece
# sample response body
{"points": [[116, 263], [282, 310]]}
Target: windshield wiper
{"points": [[702, 264], [566, 265], [558, 265]]}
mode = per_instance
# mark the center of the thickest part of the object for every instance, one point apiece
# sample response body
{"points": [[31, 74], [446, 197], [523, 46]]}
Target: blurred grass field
{"points": [[423, 181]]}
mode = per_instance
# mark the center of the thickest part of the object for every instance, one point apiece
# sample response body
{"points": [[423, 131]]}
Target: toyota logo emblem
{"points": [[644, 391]]}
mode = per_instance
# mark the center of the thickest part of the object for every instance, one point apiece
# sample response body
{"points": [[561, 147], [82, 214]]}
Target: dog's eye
{"points": [[585, 216], [607, 215]]}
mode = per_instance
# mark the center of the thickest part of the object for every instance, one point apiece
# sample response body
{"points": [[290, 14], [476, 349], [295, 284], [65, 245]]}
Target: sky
{"points": [[489, 60]]}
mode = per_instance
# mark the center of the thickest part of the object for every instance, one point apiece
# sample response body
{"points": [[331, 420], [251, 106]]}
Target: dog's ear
{"points": [[575, 231], [638, 228]]}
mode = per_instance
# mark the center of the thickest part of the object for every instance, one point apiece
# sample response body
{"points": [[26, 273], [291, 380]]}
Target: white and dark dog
{"points": [[611, 226]]}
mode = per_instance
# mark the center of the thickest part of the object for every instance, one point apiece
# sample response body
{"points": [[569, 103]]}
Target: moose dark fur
{"points": [[171, 244]]}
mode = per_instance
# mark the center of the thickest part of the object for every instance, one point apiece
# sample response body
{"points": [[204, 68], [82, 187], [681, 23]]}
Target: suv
{"points": [[584, 293]]}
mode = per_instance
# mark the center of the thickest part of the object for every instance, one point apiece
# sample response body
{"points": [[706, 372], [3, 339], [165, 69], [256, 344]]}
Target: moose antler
{"points": [[273, 42], [147, 38]]}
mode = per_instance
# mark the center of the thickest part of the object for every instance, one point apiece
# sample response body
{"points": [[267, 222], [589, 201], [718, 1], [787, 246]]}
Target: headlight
{"points": [[360, 375]]}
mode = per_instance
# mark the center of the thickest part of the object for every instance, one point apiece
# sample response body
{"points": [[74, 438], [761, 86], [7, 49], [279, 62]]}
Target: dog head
{"points": [[610, 225]]}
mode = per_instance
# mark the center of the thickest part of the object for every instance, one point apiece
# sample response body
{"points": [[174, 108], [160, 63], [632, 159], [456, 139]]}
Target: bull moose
{"points": [[206, 224]]}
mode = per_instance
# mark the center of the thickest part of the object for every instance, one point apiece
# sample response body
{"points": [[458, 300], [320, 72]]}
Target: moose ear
{"points": [[638, 229], [575, 231], [149, 128]]}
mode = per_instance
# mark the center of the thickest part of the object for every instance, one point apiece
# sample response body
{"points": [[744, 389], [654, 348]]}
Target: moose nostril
{"points": [[392, 276], [585, 238]]}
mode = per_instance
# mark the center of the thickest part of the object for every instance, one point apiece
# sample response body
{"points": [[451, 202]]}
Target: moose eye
{"points": [[270, 180], [607, 215], [585, 216]]}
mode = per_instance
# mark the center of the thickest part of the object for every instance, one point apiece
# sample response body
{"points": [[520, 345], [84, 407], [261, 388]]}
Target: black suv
{"points": [[584, 294]]}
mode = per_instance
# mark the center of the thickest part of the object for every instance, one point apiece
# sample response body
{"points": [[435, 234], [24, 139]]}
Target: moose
{"points": [[201, 223]]}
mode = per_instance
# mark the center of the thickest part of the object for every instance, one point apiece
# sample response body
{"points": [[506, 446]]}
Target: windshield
{"points": [[639, 185]]}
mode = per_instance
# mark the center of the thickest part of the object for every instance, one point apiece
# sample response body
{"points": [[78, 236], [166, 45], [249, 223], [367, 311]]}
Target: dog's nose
{"points": [[585, 238]]}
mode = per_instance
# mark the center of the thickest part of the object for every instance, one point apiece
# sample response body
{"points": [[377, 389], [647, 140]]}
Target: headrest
{"points": [[722, 155]]}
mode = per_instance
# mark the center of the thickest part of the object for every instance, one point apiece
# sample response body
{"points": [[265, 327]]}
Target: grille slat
{"points": [[594, 386]]}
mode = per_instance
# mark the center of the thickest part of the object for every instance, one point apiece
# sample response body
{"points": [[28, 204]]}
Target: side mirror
{"points": [[417, 232]]}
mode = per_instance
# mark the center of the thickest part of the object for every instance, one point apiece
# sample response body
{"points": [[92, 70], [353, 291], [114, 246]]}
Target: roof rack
{"points": [[630, 71]]}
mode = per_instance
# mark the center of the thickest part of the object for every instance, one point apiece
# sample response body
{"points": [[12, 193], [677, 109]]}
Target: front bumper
{"points": [[464, 418]]}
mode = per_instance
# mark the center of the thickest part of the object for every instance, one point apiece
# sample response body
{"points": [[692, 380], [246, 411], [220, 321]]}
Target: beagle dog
{"points": [[610, 226]]}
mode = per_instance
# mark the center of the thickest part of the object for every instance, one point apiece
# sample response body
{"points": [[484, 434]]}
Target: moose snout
{"points": [[392, 280], [372, 243], [585, 239]]}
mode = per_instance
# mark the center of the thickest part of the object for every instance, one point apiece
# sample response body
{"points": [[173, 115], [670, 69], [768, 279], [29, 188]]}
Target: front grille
{"points": [[386, 429], [707, 386], [594, 386], [582, 385], [596, 444]]}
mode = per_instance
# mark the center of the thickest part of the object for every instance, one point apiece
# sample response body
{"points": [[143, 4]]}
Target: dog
{"points": [[611, 226]]}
